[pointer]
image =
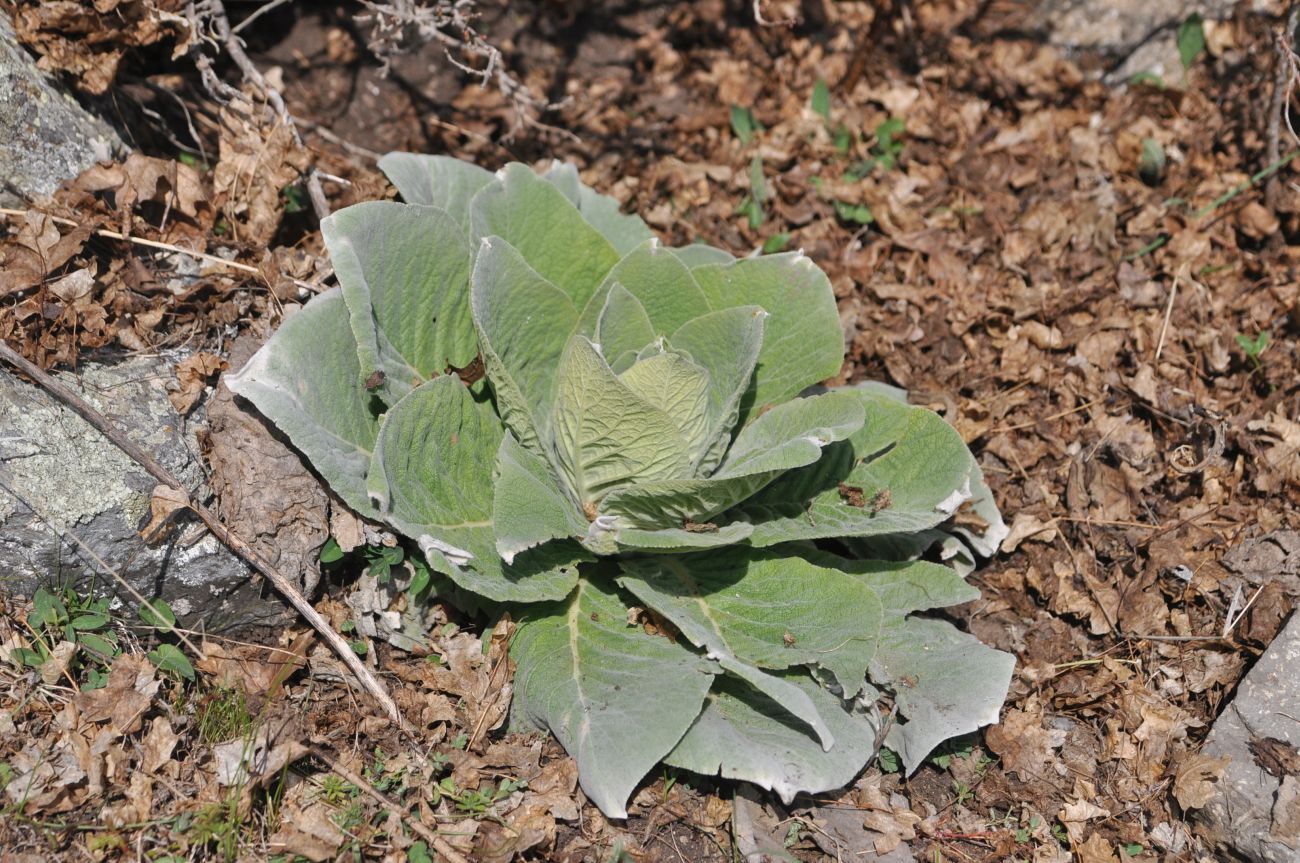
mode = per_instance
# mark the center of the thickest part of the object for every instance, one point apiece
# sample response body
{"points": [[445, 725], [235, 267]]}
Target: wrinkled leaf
{"points": [[662, 284], [803, 343], [432, 476], [905, 471], [676, 385], [617, 698], [550, 234], [726, 343], [529, 507], [605, 434], [625, 231], [788, 436], [404, 272], [523, 323], [765, 608]]}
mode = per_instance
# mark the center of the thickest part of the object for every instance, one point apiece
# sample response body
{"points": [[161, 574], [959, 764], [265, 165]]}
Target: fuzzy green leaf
{"points": [[551, 235], [946, 684], [726, 343], [529, 507], [623, 230], [605, 435], [523, 323], [905, 471], [744, 734], [672, 382], [803, 343], [440, 181], [432, 476], [677, 539], [660, 281], [306, 380], [623, 328], [404, 271], [765, 609], [788, 436], [617, 698]]}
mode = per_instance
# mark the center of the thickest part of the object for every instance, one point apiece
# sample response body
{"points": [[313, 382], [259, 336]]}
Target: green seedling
{"points": [[69, 617], [1151, 164], [1191, 39], [744, 124], [1254, 348]]}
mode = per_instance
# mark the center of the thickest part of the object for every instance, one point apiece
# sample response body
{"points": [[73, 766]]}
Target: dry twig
{"points": [[213, 13], [166, 247], [450, 23]]}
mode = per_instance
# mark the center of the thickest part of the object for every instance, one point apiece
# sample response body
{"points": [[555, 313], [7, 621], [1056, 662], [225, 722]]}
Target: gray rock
{"points": [[60, 477], [1132, 35], [47, 137], [1254, 815]]}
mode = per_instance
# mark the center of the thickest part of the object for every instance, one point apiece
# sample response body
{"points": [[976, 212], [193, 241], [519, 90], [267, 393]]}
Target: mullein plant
{"points": [[649, 440]]}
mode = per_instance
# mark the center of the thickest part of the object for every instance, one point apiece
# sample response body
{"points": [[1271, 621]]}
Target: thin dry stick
{"points": [[1169, 307], [1284, 81], [154, 244], [216, 13], [439, 844], [222, 533]]}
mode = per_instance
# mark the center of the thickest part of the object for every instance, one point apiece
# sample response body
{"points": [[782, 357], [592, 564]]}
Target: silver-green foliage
{"points": [[648, 437]]}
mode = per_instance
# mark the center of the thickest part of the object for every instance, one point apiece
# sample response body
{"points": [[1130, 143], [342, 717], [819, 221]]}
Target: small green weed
{"points": [[1254, 348], [1151, 164], [776, 243], [336, 791], [884, 152], [223, 715], [65, 616], [744, 124], [752, 206], [1191, 39], [1146, 79], [475, 801], [960, 747], [419, 853]]}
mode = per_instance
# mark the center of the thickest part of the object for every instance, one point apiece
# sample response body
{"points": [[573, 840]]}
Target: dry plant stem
{"points": [[222, 533], [439, 844], [1169, 308], [1284, 82], [216, 12], [166, 247]]}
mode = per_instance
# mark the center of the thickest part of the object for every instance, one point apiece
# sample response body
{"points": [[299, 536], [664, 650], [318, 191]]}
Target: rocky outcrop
{"points": [[60, 478]]}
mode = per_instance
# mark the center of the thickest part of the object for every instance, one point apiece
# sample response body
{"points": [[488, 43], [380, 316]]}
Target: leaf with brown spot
{"points": [[1194, 784]]}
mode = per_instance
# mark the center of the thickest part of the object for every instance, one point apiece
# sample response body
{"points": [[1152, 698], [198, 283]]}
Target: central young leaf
{"points": [[606, 435]]}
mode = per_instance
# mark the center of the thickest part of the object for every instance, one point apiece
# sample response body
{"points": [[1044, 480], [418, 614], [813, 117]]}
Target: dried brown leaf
{"points": [[1194, 784]]}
